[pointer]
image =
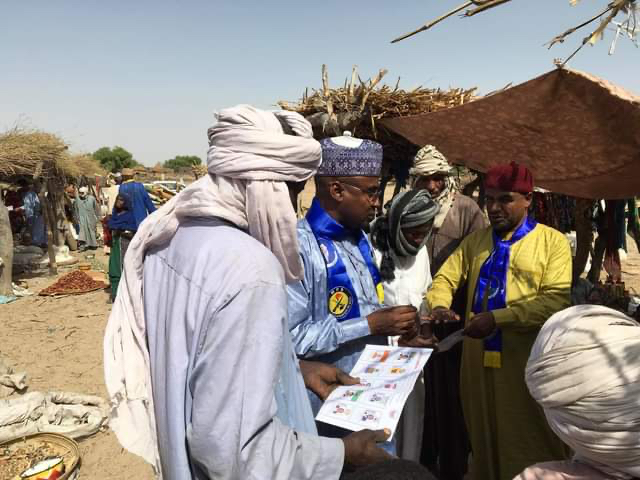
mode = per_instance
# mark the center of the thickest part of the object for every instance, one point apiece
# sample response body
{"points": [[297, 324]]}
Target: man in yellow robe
{"points": [[519, 274]]}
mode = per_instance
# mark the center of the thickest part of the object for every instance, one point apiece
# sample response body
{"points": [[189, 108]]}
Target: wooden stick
{"points": [[427, 26], [614, 12], [352, 85], [6, 251], [374, 82], [560, 38], [484, 6], [397, 85], [44, 203], [54, 202], [332, 118]]}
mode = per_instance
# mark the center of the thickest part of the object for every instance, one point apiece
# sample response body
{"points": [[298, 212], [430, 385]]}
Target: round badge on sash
{"points": [[340, 302]]}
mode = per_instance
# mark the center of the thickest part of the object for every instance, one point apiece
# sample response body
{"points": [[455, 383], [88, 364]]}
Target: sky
{"points": [[148, 75]]}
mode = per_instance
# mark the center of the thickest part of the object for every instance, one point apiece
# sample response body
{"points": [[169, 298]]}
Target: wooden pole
{"points": [[40, 188], [46, 211], [54, 200], [6, 251]]}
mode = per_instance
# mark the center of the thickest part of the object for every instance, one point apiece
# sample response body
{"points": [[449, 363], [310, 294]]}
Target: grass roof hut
{"points": [[44, 159]]}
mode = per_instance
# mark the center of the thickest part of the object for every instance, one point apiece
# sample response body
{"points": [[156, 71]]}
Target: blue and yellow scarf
{"points": [[341, 297], [491, 289]]}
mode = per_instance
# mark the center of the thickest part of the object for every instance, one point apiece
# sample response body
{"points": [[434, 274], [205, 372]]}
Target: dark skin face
{"points": [[506, 210], [434, 184], [416, 235], [351, 201], [120, 205]]}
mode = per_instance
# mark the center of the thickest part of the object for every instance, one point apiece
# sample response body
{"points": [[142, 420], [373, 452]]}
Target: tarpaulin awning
{"points": [[580, 135]]}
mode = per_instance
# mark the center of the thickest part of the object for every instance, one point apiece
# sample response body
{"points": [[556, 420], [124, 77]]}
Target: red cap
{"points": [[509, 178]]}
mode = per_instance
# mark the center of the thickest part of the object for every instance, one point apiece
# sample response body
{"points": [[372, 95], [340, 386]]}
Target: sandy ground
{"points": [[58, 342]]}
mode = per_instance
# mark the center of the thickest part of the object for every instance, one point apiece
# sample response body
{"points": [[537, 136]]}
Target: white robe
{"points": [[413, 279]]}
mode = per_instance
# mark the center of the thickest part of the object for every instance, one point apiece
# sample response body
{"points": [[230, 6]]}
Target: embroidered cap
{"points": [[365, 160]]}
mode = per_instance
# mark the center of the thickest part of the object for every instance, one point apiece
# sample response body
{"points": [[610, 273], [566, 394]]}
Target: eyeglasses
{"points": [[372, 193]]}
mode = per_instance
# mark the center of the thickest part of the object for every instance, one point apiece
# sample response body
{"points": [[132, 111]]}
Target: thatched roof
{"points": [[29, 153], [360, 106], [81, 164], [35, 153]]}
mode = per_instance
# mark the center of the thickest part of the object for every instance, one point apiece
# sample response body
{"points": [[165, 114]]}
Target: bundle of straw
{"points": [[78, 165], [358, 106], [32, 153]]}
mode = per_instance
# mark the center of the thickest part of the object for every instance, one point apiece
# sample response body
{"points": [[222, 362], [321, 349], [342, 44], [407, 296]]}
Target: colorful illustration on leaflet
{"points": [[380, 356]]}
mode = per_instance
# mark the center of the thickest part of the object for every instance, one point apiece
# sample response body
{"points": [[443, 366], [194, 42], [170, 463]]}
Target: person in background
{"points": [[110, 194], [141, 202], [519, 274], [86, 211], [33, 214], [13, 202], [336, 309], [584, 371], [199, 364], [120, 224], [445, 444], [398, 239]]}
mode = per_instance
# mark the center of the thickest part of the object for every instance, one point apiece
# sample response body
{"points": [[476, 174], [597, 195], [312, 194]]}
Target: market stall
{"points": [[580, 136], [41, 161]]}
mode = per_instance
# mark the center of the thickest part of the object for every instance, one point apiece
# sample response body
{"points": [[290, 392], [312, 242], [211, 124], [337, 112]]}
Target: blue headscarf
{"points": [[122, 219]]}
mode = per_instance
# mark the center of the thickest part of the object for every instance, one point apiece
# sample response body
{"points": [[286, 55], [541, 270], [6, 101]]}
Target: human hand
{"points": [[481, 325], [418, 341], [424, 338], [442, 315], [361, 449], [400, 320], [322, 378]]}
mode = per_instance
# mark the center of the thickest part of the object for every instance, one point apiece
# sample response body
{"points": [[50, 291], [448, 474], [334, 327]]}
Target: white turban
{"points": [[83, 190], [584, 370], [249, 159], [429, 161]]}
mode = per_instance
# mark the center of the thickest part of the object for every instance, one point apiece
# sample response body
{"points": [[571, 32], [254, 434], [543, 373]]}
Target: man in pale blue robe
{"points": [[229, 293], [337, 307]]}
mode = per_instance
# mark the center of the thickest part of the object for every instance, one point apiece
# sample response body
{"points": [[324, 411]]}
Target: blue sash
{"points": [[342, 300], [491, 289]]}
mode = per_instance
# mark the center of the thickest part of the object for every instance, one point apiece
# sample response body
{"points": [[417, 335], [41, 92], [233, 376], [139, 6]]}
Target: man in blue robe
{"points": [[141, 202], [337, 308]]}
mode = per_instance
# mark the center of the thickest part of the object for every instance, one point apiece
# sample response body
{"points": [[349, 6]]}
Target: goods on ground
{"points": [[73, 283]]}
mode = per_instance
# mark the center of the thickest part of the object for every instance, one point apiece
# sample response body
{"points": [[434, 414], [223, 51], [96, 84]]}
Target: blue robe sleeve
{"points": [[147, 200], [313, 329]]}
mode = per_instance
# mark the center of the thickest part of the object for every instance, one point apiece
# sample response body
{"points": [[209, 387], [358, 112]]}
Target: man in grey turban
{"points": [[399, 239]]}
